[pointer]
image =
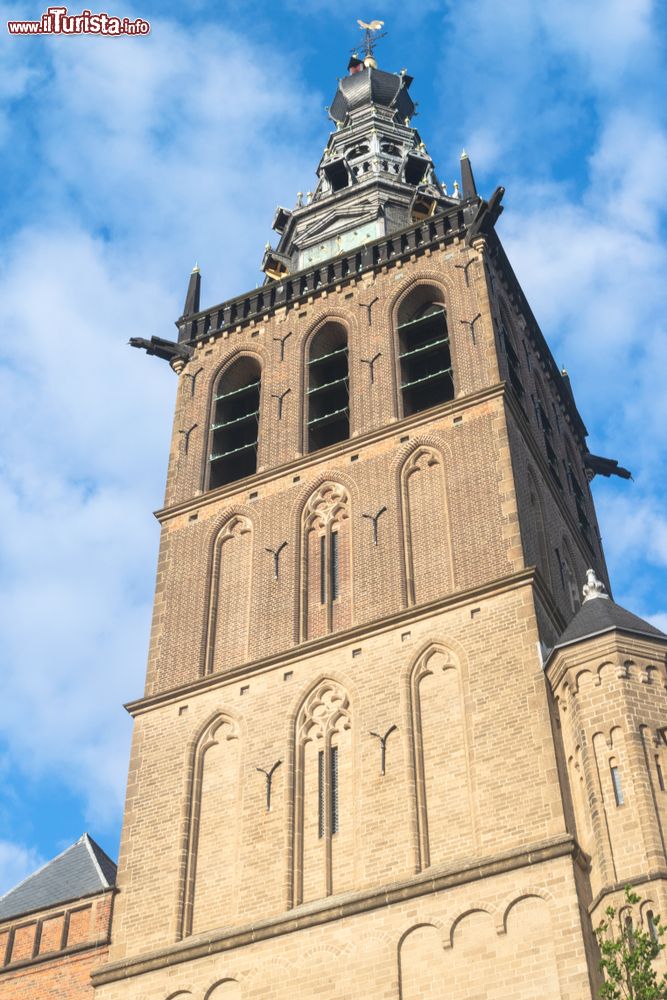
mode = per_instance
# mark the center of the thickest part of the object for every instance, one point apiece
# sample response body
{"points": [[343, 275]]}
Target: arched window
{"points": [[212, 836], [228, 626], [569, 579], [574, 471], [513, 362], [542, 553], [543, 422], [328, 389], [323, 818], [441, 758], [326, 569], [235, 425], [426, 364], [427, 538]]}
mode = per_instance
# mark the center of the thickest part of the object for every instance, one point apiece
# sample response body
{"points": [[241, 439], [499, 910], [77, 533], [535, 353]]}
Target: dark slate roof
{"points": [[600, 614], [82, 870], [373, 86]]}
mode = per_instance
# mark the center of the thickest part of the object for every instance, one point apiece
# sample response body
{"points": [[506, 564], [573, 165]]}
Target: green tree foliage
{"points": [[629, 953]]}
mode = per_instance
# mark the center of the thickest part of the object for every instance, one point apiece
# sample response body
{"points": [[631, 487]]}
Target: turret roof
{"points": [[81, 870]]}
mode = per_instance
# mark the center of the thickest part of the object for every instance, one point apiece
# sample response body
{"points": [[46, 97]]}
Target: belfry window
{"points": [[328, 390], [235, 424], [426, 365]]}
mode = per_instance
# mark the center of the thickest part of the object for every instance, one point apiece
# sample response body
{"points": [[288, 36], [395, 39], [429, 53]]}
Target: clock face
{"points": [[332, 246]]}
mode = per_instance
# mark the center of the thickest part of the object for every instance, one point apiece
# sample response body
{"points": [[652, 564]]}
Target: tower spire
{"points": [[194, 288], [467, 178]]}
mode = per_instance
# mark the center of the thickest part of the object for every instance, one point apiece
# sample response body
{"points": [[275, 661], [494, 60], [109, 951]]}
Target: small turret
{"points": [[194, 289]]}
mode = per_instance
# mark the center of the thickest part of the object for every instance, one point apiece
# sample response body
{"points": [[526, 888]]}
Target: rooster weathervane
{"points": [[371, 39]]}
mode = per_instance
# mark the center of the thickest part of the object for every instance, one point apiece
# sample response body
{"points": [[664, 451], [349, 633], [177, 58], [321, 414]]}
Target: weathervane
{"points": [[371, 38]]}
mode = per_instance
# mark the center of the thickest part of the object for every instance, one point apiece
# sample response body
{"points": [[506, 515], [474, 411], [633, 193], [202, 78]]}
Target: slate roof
{"points": [[601, 614], [82, 870]]}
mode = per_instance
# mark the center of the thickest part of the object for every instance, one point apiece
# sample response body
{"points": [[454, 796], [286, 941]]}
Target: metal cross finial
{"points": [[371, 364], [281, 341], [374, 518], [383, 747], [193, 377], [471, 324], [368, 306], [186, 437], [276, 558], [280, 397], [269, 778]]}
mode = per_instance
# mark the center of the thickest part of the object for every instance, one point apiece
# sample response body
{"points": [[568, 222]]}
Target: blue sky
{"points": [[124, 161]]}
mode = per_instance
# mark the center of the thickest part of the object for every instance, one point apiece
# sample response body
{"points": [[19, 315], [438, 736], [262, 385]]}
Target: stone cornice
{"points": [[365, 630], [600, 645], [298, 287], [338, 907]]}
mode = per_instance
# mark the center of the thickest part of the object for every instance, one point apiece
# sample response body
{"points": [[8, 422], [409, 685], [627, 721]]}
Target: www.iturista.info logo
{"points": [[56, 21]]}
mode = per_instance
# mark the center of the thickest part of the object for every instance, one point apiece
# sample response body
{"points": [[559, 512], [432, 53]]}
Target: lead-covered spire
{"points": [[375, 177]]}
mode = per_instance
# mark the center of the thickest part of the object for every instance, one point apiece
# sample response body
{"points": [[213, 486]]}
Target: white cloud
{"points": [[144, 156], [16, 863]]}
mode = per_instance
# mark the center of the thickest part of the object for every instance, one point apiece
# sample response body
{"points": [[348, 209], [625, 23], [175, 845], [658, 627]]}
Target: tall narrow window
{"points": [[616, 783], [328, 390], [326, 581], [320, 794], [333, 564], [661, 779], [333, 789], [513, 363], [235, 426], [330, 777], [324, 836], [652, 929], [426, 364]]}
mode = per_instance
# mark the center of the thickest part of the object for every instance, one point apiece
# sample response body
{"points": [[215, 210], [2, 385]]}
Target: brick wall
{"points": [[51, 953]]}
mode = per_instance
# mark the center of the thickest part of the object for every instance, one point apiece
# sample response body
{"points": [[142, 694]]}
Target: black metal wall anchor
{"points": [[269, 778], [371, 364], [464, 268], [375, 518], [186, 437], [369, 307], [280, 397], [281, 341], [383, 747], [471, 324], [276, 559], [193, 378]]}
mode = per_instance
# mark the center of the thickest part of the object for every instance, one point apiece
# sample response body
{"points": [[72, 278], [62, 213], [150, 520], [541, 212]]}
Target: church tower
{"points": [[383, 751]]}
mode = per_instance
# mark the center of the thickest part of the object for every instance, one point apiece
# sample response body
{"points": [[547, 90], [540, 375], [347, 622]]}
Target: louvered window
{"points": [[235, 424], [328, 388], [425, 358]]}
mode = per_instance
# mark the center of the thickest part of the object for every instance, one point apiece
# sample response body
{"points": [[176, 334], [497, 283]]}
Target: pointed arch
{"points": [[230, 595], [323, 822], [325, 585], [441, 749], [235, 415], [424, 352], [569, 577], [207, 896], [539, 527], [327, 389], [427, 547]]}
